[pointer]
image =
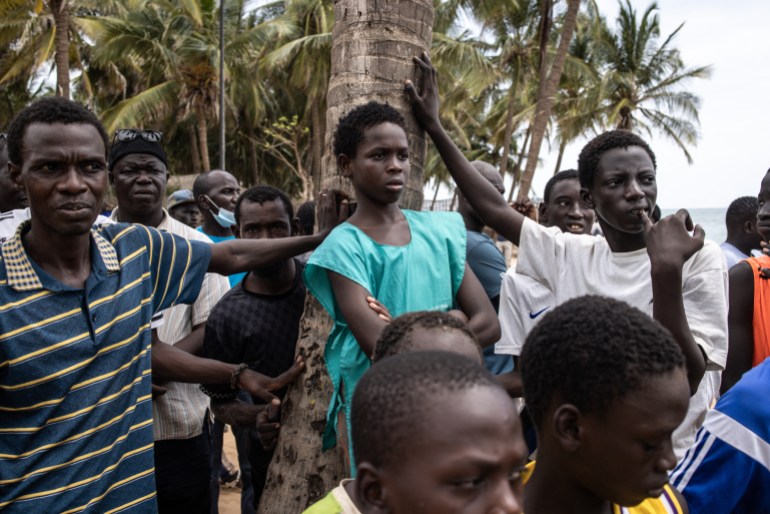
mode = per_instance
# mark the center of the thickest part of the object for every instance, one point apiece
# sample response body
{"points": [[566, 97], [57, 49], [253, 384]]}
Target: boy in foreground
{"points": [[605, 386], [433, 433], [660, 269]]}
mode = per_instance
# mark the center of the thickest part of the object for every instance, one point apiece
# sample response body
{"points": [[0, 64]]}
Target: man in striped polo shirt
{"points": [[75, 309]]}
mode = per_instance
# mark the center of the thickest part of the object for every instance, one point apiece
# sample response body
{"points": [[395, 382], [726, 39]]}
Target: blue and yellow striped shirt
{"points": [[75, 403]]}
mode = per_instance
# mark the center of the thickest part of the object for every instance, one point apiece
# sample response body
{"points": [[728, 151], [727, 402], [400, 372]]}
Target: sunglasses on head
{"points": [[151, 136]]}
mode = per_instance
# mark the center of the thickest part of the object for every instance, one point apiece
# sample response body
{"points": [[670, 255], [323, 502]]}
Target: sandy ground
{"points": [[230, 498]]}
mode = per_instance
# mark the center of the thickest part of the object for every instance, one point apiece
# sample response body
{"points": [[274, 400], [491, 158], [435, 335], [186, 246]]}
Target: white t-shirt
{"points": [[523, 302], [572, 265]]}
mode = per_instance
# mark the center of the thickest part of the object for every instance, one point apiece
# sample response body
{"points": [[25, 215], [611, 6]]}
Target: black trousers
{"points": [[182, 471]]}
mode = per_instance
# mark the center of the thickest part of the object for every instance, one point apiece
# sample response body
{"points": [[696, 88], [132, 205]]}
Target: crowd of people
{"points": [[620, 365]]}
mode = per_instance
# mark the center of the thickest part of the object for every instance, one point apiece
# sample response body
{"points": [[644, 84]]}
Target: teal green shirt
{"points": [[424, 274]]}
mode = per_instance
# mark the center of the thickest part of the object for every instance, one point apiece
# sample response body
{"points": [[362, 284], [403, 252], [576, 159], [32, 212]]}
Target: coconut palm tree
{"points": [[646, 77], [39, 33], [548, 85]]}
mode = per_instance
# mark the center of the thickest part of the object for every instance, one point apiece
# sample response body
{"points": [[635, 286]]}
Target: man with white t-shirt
{"points": [[523, 299], [636, 261]]}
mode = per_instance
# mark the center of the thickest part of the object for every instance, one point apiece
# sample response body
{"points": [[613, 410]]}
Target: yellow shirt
{"points": [[666, 503]]}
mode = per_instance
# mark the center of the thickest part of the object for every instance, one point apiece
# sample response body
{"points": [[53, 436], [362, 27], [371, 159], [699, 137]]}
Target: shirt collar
{"points": [[19, 269]]}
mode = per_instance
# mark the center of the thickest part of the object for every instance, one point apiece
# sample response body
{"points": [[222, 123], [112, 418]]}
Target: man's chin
{"points": [[269, 271]]}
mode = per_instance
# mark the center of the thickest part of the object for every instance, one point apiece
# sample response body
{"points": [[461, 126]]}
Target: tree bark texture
{"points": [[60, 11], [203, 138], [373, 45], [300, 473], [546, 97], [372, 55]]}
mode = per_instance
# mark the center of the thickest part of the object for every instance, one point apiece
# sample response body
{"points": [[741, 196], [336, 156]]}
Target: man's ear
{"points": [[371, 491], [203, 203], [14, 172], [542, 213], [568, 427], [111, 177], [294, 226], [748, 227], [344, 162], [585, 196]]}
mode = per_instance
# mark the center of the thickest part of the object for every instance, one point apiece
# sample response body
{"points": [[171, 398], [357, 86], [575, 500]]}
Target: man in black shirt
{"points": [[257, 321]]}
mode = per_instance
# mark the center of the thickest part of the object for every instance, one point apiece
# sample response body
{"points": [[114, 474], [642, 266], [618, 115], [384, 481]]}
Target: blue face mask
{"points": [[225, 218]]}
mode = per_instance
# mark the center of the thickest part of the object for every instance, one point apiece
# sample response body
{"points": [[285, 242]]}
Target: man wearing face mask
{"points": [[216, 192]]}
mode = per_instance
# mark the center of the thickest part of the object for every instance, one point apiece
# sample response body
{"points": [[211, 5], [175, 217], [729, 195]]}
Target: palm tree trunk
{"points": [[517, 166], [60, 11], [562, 147], [508, 134], [252, 141], [372, 50], [194, 154], [316, 141], [546, 96], [203, 138], [435, 195]]}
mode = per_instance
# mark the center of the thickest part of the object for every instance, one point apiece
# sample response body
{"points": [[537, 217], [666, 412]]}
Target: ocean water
{"points": [[712, 220]]}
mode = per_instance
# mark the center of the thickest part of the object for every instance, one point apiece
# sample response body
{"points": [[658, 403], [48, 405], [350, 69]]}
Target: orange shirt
{"points": [[761, 317]]}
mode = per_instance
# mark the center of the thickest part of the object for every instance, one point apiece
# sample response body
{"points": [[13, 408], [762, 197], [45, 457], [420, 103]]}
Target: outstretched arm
{"points": [[740, 319], [475, 304], [487, 201], [241, 255], [170, 363], [669, 245]]}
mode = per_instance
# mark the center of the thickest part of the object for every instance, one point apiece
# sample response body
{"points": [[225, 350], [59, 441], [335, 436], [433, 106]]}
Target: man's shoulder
{"points": [[709, 257]]}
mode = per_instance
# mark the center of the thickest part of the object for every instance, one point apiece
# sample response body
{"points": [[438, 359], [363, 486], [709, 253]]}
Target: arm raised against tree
{"points": [[487, 201]]}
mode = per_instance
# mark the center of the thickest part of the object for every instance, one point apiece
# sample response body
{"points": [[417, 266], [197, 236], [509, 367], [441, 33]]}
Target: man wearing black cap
{"points": [[138, 173]]}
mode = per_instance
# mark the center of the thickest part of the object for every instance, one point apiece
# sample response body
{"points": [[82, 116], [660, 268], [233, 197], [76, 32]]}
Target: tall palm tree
{"points": [[645, 79], [546, 95], [169, 51], [41, 32]]}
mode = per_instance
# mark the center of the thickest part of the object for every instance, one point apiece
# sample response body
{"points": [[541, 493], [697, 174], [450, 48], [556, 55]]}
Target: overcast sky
{"points": [[734, 151]]}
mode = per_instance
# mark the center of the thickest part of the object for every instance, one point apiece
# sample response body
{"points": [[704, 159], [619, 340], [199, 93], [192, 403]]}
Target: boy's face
{"points": [[465, 456], [380, 168], [625, 453], [566, 210], [623, 186], [763, 214]]}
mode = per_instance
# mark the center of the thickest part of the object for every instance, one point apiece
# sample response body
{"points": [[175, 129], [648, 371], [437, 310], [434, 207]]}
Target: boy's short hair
{"points": [[306, 217], [396, 337], [391, 396], [569, 174], [741, 210], [350, 129], [262, 194], [588, 161], [592, 351], [49, 110]]}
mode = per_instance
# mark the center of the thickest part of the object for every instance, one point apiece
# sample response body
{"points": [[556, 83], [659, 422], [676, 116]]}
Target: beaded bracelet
{"points": [[236, 373]]}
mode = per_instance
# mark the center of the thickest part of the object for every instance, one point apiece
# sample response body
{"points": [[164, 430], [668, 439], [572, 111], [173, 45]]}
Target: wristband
{"points": [[236, 373]]}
